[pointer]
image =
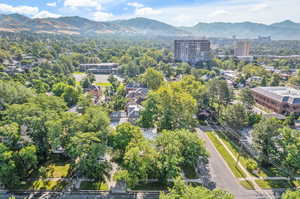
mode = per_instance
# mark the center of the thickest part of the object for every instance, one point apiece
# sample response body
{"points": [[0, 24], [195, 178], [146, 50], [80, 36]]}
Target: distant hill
{"points": [[149, 26], [285, 30], [62, 25], [287, 24]]}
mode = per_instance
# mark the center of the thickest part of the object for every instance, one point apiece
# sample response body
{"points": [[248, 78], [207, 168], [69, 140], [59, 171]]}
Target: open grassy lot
{"points": [[236, 170], [98, 186]]}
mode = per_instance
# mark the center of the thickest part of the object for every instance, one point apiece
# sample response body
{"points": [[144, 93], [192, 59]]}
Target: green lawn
{"points": [[52, 185], [236, 170], [99, 186], [243, 157], [273, 184], [53, 170], [247, 184], [78, 73], [103, 84]]}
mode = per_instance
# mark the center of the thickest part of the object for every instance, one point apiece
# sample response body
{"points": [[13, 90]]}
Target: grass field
{"points": [[98, 186], [103, 84], [51, 185], [236, 170], [79, 73], [53, 170], [247, 184], [273, 184]]}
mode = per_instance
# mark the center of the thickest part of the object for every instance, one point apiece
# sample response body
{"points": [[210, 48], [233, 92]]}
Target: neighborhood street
{"points": [[222, 175]]}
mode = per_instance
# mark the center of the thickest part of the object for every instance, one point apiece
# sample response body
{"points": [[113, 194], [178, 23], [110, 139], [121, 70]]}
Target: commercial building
{"points": [[242, 49], [104, 68], [192, 51], [281, 100]]}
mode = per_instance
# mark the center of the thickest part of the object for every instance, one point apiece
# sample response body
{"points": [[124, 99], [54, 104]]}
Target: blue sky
{"points": [[175, 12]]}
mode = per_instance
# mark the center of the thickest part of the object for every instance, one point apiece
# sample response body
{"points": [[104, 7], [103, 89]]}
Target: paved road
{"points": [[222, 175]]}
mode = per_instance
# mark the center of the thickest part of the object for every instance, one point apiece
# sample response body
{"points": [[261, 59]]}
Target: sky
{"points": [[174, 12]]}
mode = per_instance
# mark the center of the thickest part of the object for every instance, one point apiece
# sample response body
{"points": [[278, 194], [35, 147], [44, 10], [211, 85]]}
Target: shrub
{"points": [[251, 165]]}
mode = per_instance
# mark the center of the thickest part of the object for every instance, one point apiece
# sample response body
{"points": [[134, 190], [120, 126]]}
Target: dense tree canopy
{"points": [[183, 191]]}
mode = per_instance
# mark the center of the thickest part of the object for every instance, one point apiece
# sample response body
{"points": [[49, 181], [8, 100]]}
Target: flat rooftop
{"points": [[282, 94]]}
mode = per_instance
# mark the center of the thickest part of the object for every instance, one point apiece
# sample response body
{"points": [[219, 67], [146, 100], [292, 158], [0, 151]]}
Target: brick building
{"points": [[281, 100]]}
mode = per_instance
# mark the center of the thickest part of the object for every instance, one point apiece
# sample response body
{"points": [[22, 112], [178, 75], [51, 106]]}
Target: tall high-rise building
{"points": [[242, 49], [192, 51]]}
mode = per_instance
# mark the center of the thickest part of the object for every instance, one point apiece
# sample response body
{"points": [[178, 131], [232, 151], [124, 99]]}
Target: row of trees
{"points": [[277, 145], [162, 159], [34, 130]]}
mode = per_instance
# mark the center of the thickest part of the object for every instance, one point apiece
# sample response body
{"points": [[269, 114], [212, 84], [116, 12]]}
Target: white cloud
{"points": [[135, 4], [259, 7], [25, 10], [84, 3], [146, 11], [52, 4], [102, 16], [46, 14], [235, 11], [219, 13]]}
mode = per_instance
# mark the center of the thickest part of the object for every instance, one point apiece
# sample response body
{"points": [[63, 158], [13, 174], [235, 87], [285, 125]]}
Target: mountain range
{"points": [[286, 30]]}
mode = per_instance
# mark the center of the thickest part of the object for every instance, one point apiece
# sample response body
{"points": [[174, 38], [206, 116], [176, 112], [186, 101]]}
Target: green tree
{"points": [[265, 137], [71, 95], [139, 161], [219, 94], [247, 98], [289, 194], [13, 93], [152, 78], [8, 170], [87, 152], [59, 88], [174, 108], [124, 134], [183, 191], [84, 102], [178, 149], [26, 159], [95, 119], [289, 145], [10, 134], [235, 116]]}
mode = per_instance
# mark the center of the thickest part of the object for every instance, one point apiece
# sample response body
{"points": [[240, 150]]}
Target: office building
{"points": [[281, 100], [242, 49], [192, 51], [104, 68]]}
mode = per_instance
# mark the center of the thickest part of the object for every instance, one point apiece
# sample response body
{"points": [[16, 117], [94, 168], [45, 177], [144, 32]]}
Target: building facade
{"points": [[242, 49], [104, 68], [192, 51], [281, 100]]}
